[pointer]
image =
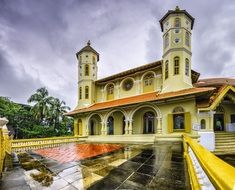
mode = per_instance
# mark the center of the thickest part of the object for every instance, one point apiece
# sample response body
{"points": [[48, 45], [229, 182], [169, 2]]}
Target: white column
{"points": [[102, 128], [118, 90], [138, 89], [159, 125], [211, 115], [102, 94], [126, 127], [87, 129], [105, 132], [130, 126]]}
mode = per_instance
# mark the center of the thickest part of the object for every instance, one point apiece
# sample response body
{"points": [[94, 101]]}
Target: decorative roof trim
{"points": [[220, 95], [148, 97]]}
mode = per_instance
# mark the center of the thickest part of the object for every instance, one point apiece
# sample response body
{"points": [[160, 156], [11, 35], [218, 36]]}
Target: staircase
{"points": [[224, 143]]}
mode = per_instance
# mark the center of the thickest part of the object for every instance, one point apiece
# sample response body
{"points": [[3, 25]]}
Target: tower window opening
{"points": [[177, 31], [87, 70], [80, 93], [166, 70], [177, 40], [93, 59], [177, 22], [166, 40], [187, 39], [176, 65], [80, 59], [186, 67], [87, 92]]}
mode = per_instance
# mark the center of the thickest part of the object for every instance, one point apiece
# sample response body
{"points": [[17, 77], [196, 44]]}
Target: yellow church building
{"points": [[156, 101]]}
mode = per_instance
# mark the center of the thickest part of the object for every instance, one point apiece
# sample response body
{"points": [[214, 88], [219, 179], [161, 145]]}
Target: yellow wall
{"points": [[189, 106]]}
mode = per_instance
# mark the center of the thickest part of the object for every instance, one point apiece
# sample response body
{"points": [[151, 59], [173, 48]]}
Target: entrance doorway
{"points": [[218, 122], [92, 128], [148, 123]]}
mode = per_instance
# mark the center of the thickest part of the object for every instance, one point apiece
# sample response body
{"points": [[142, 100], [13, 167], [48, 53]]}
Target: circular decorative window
{"points": [[127, 84]]}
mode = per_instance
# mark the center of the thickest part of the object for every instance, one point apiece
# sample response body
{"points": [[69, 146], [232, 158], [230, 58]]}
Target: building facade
{"points": [[159, 100]]}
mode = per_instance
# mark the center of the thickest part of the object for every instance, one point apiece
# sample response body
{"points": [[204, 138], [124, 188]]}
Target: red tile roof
{"points": [[215, 82], [153, 96], [205, 103]]}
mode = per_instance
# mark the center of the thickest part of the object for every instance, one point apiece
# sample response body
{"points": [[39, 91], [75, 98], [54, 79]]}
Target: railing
{"points": [[37, 143], [5, 143], [206, 171]]}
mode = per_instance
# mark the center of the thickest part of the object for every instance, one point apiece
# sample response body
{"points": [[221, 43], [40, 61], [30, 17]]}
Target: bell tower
{"points": [[176, 26], [87, 74]]}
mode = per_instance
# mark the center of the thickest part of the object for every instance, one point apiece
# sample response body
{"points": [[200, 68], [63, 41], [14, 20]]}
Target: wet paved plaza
{"points": [[112, 166]]}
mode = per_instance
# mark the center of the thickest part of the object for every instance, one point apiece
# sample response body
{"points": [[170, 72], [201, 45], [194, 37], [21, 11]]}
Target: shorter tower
{"points": [[176, 26], [87, 74]]}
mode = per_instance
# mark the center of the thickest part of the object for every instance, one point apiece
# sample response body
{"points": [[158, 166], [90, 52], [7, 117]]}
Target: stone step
{"points": [[225, 143], [218, 152], [224, 140], [227, 134], [220, 137], [225, 149]]}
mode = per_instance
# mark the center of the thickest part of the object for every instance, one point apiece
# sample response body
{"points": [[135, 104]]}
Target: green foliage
{"points": [[43, 119]]}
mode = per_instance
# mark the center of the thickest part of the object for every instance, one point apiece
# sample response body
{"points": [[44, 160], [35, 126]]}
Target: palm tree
{"points": [[57, 109], [42, 104]]}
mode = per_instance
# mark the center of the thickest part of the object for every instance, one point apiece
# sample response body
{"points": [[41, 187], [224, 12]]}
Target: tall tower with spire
{"points": [[87, 74], [176, 26]]}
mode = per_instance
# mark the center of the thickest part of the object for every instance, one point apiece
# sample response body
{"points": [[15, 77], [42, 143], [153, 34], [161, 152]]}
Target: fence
{"points": [[37, 143]]}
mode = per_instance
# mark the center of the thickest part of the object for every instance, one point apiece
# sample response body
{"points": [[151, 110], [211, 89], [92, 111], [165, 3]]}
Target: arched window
{"points": [[93, 59], [87, 92], [178, 109], [187, 39], [110, 91], [203, 124], [80, 93], [186, 67], [166, 40], [176, 65], [166, 69], [177, 22], [148, 83], [80, 59], [86, 70], [148, 80]]}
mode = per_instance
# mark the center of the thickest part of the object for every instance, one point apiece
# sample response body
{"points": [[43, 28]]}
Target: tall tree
{"points": [[57, 109], [42, 100]]}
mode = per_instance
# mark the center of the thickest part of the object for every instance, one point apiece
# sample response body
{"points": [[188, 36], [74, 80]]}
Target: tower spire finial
{"points": [[89, 43], [177, 8]]}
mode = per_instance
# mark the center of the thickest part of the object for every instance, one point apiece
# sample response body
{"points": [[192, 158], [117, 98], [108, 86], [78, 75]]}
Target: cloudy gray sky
{"points": [[39, 39]]}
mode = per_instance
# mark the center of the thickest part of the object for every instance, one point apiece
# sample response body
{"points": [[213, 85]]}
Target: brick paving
{"points": [[76, 152]]}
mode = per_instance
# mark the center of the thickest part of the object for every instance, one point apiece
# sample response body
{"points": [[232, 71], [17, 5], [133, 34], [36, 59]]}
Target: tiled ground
{"points": [[75, 152], [158, 166]]}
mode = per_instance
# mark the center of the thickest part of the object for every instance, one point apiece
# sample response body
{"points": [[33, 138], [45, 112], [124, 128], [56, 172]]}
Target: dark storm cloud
{"points": [[12, 85], [39, 39]]}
